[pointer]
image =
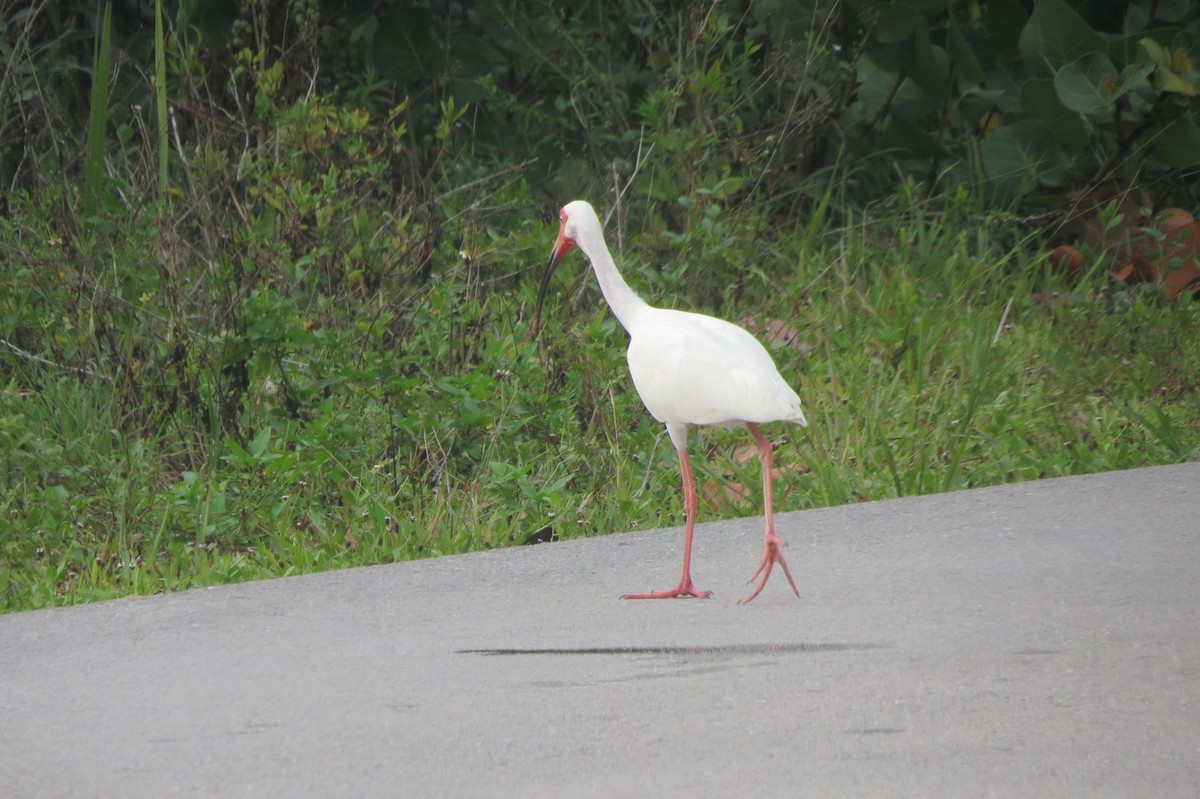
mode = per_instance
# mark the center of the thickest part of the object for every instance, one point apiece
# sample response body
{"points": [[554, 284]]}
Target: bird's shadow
{"points": [[726, 650]]}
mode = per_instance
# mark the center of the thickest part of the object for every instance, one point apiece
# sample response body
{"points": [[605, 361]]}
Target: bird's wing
{"points": [[696, 369]]}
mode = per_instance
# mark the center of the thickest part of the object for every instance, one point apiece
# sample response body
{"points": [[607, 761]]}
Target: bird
{"points": [[689, 369]]}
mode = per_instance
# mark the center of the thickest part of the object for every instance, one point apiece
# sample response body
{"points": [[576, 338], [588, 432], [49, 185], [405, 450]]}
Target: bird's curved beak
{"points": [[562, 246]]}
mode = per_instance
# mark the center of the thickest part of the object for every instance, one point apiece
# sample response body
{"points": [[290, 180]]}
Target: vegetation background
{"points": [[266, 267]]}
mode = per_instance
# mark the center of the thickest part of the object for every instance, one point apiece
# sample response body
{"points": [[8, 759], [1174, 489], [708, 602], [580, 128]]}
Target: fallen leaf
{"points": [[1180, 264], [1067, 259], [1144, 270], [777, 332], [1170, 219], [725, 497], [1115, 233], [1173, 262]]}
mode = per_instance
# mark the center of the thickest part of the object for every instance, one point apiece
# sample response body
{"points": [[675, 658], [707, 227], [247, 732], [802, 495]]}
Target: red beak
{"points": [[562, 246]]}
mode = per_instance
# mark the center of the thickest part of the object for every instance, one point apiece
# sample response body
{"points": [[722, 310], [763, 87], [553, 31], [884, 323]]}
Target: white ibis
{"points": [[689, 369]]}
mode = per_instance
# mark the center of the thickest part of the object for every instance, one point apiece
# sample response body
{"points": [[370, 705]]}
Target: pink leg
{"points": [[771, 542], [690, 507]]}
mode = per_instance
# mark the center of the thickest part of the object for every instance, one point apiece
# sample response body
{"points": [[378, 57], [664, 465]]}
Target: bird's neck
{"points": [[625, 304]]}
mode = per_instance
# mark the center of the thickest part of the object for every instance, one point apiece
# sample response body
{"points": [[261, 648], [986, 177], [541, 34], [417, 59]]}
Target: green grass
{"points": [[931, 356]]}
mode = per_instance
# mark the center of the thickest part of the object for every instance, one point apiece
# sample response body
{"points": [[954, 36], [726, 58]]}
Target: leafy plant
{"points": [[1044, 102]]}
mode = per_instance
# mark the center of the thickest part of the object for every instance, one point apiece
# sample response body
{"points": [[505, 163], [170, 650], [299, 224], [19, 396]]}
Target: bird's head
{"points": [[575, 219]]}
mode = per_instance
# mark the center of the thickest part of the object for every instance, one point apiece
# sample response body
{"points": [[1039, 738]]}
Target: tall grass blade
{"points": [[160, 94], [98, 114], [816, 222]]}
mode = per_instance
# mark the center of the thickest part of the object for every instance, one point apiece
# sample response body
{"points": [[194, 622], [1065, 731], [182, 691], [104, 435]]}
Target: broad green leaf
{"points": [[962, 56], [876, 90], [905, 137], [404, 48], [930, 67], [894, 57], [1039, 100], [1005, 20], [915, 103], [1171, 10], [1178, 144], [1056, 35], [473, 58], [894, 23], [975, 108], [1137, 16], [259, 445], [1018, 157], [1088, 85]]}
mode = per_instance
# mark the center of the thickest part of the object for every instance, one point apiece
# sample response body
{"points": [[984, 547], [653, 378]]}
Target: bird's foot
{"points": [[685, 588], [771, 556]]}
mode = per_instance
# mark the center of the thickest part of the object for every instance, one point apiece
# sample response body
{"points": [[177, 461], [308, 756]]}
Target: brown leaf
{"points": [[744, 452], [726, 497], [776, 332], [1186, 278], [1144, 269], [1113, 235], [1170, 219], [1067, 260], [1174, 262], [1180, 267]]}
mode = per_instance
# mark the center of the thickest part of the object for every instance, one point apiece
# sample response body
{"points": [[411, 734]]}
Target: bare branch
{"points": [[29, 356]]}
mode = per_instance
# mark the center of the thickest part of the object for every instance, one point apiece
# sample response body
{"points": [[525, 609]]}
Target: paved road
{"points": [[1038, 639]]}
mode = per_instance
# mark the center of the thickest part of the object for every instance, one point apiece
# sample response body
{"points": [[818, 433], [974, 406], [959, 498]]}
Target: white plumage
{"points": [[689, 369], [727, 378]]}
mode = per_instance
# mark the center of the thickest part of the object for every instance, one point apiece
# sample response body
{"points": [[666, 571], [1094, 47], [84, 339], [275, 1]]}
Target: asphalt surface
{"points": [[1037, 639]]}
